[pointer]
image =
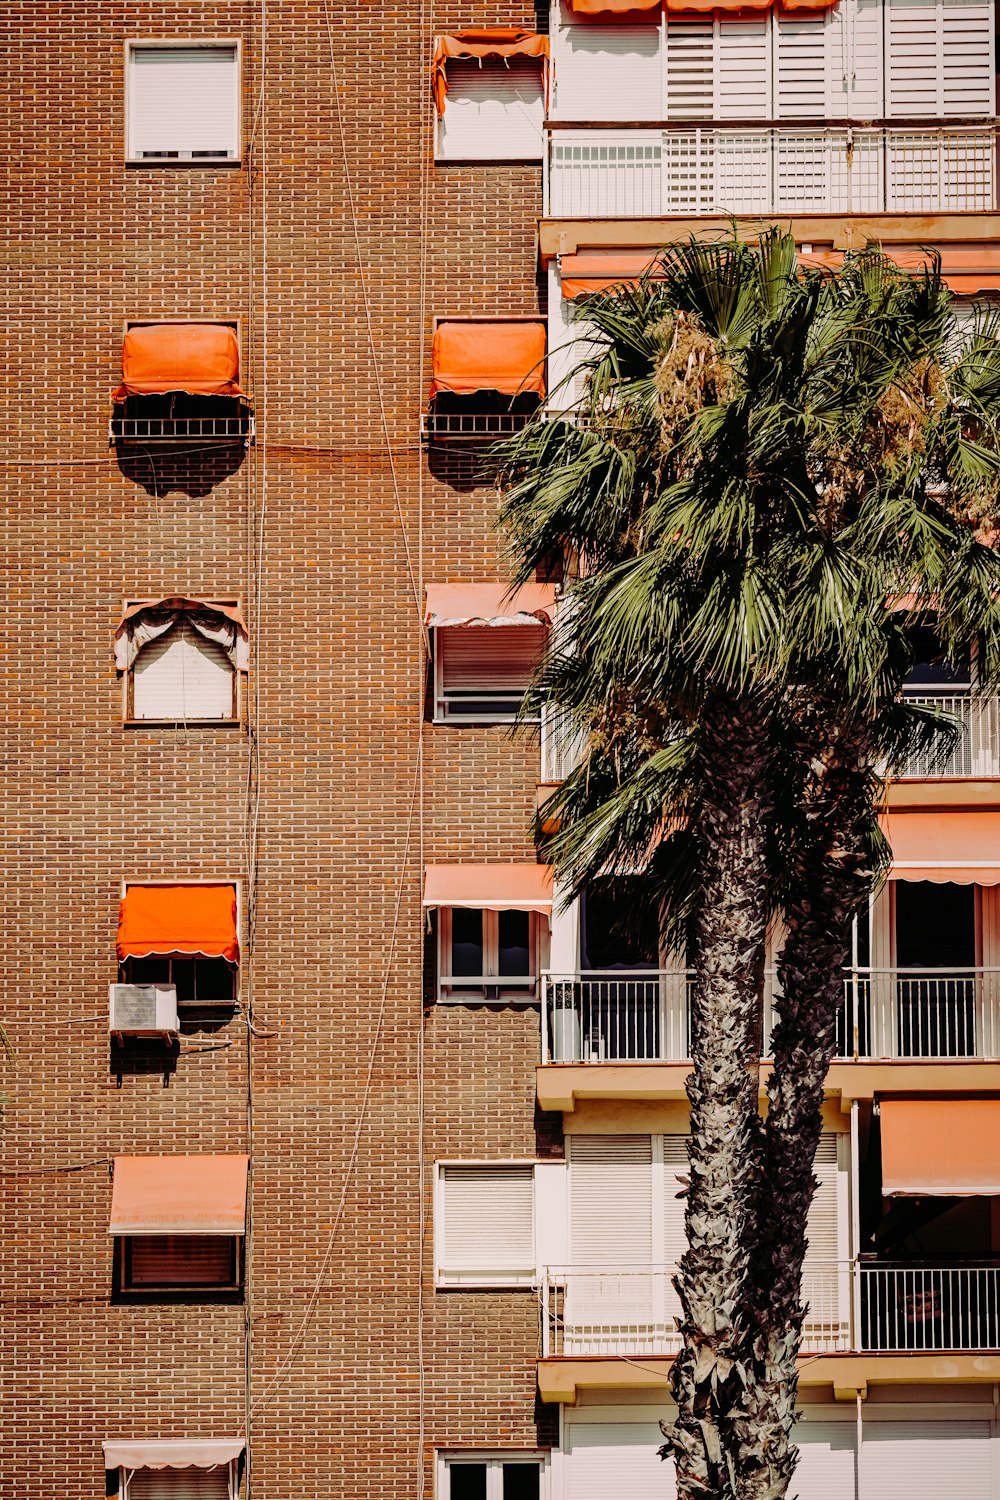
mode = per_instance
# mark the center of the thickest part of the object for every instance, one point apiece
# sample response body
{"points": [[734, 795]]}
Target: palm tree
{"points": [[770, 474]]}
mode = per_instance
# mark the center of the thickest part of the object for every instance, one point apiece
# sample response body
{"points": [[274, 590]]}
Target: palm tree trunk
{"points": [[729, 937]]}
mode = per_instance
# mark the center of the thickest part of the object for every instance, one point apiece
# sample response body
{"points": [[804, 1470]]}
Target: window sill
{"points": [[198, 162], [475, 721]]}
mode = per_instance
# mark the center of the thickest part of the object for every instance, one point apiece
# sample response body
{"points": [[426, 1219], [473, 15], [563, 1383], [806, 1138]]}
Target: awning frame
{"points": [[503, 42]]}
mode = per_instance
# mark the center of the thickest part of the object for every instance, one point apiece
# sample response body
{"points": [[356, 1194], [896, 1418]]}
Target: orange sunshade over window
{"points": [[193, 919], [615, 7], [489, 604], [965, 269], [940, 1148], [201, 359], [490, 887], [961, 848], [500, 356], [587, 271], [484, 41], [639, 10], [179, 1195]]}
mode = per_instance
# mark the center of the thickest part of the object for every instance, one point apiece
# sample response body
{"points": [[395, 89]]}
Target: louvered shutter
{"points": [[925, 1460], [568, 345], [939, 58], [180, 1484], [484, 665], [603, 1460], [494, 111], [744, 67], [611, 1298], [487, 1224], [183, 101], [675, 1166], [864, 84], [826, 1461], [181, 675], [690, 67], [607, 72], [825, 1280], [806, 63], [181, 1260]]}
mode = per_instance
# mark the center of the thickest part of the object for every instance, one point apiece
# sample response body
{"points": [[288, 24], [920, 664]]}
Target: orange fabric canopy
{"points": [[490, 887], [484, 41], [588, 271], [940, 1148], [615, 7], [965, 269], [960, 847], [202, 359], [646, 10], [489, 604], [172, 1453], [179, 1195], [192, 919], [489, 356]]}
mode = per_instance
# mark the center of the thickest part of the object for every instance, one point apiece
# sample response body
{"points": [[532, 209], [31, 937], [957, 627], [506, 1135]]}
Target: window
{"points": [[180, 659], [174, 1468], [482, 1477], [199, 981], [488, 376], [484, 1225], [182, 102], [181, 380], [182, 935], [175, 1262], [489, 86], [481, 673], [175, 1484], [487, 955], [179, 1222]]}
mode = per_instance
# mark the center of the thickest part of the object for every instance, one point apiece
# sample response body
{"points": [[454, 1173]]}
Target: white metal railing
{"points": [[976, 752], [908, 1306], [563, 745], [611, 172], [471, 426], [228, 429], [644, 1015], [633, 1309]]}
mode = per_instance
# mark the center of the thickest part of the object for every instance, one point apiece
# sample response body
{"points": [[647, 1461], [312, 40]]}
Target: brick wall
{"points": [[308, 529]]}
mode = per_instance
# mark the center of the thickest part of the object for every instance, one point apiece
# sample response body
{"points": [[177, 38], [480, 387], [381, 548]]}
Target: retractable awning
{"points": [[142, 623], [199, 920], [504, 356], [481, 42], [960, 847], [199, 359], [172, 1453], [648, 10], [490, 887], [179, 1195], [965, 269], [587, 271], [459, 604], [940, 1148]]}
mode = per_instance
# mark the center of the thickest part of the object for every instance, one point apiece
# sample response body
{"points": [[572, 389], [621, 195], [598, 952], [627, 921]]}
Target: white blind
{"points": [[925, 1460], [610, 1187], [183, 101], [607, 72], [605, 1460], [939, 57], [487, 1221], [181, 1260], [826, 1461], [805, 65], [743, 72], [494, 111], [823, 1223], [485, 658], [568, 345], [690, 67], [180, 1484], [181, 675]]}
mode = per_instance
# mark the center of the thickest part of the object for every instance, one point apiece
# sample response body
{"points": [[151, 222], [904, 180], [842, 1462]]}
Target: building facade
{"points": [[363, 1182]]}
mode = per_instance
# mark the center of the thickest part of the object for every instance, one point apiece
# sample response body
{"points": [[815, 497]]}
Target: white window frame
{"points": [[495, 1459], [489, 986], [125, 1479], [229, 602], [222, 880], [176, 43], [443, 702], [447, 1279]]}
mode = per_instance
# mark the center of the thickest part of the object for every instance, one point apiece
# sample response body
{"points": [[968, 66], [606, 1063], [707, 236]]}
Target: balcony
{"points": [[652, 170], [905, 1015], [601, 1311]]}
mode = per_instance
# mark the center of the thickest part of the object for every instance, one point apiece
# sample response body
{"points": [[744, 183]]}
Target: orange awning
{"points": [[587, 271], [489, 604], [940, 1148], [222, 623], [498, 356], [193, 919], [647, 10], [965, 269], [179, 1195], [617, 8], [172, 1453], [201, 359], [484, 41], [960, 847], [490, 887]]}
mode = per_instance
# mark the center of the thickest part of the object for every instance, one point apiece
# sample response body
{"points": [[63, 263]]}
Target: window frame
{"points": [[125, 1287], [128, 676], [125, 1477], [175, 43], [467, 991], [446, 1279], [443, 702], [195, 1005], [494, 1459]]}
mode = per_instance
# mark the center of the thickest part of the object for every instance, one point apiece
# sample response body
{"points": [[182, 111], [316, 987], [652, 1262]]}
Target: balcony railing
{"points": [[563, 745], [644, 1015], [632, 1310], [976, 751], [233, 428], [471, 426], [620, 172]]}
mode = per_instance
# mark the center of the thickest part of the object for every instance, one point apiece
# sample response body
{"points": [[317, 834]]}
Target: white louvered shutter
{"points": [[568, 345], [607, 72], [807, 63], [181, 675], [487, 1228], [925, 1460], [493, 112], [611, 1297], [180, 1484], [743, 67], [675, 1166], [183, 101], [826, 1461], [181, 1260], [825, 1281], [939, 58], [689, 67], [604, 1460], [862, 20]]}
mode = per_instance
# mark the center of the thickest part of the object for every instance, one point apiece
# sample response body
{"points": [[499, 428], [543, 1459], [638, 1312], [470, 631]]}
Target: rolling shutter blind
{"points": [[608, 73], [610, 1186], [181, 1260], [487, 1221], [183, 101], [484, 658], [925, 1460], [675, 1165], [494, 111], [826, 1460], [181, 675], [616, 1459], [939, 57], [179, 1484]]}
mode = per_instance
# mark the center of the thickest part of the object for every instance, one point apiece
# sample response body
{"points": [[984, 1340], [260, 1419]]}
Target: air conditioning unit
{"points": [[143, 1009]]}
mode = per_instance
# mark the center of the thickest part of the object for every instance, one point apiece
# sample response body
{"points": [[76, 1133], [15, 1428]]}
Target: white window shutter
{"points": [[183, 101], [826, 1460], [805, 63], [181, 676], [675, 1166], [487, 1223], [607, 73], [967, 61], [863, 87], [925, 1460], [493, 112], [939, 57], [604, 1459], [610, 1188], [180, 1484], [568, 345], [823, 1223], [181, 1260], [690, 67], [743, 67]]}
